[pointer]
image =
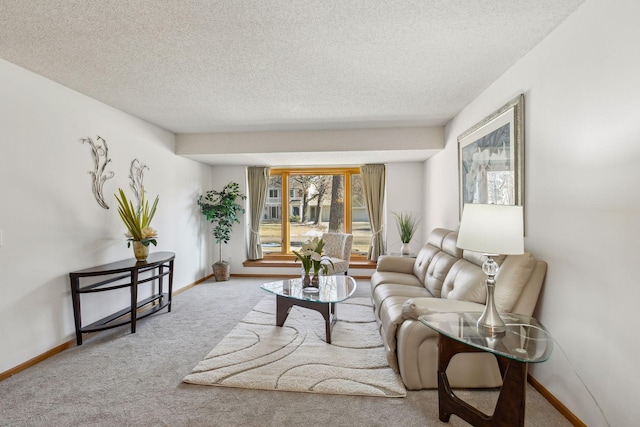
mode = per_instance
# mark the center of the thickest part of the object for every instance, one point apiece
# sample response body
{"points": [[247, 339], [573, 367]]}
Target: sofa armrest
{"points": [[396, 264], [413, 308]]}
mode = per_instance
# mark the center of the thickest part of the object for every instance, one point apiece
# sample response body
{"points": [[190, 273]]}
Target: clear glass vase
{"points": [[306, 278], [315, 280]]}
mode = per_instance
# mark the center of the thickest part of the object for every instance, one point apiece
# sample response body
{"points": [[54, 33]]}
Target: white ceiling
{"points": [[258, 65]]}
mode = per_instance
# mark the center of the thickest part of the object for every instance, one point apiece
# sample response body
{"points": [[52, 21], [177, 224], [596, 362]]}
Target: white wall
{"points": [[51, 223], [582, 203], [235, 251], [404, 193]]}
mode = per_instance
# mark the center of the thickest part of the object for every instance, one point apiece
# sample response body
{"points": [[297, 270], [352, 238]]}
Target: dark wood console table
{"points": [[158, 264]]}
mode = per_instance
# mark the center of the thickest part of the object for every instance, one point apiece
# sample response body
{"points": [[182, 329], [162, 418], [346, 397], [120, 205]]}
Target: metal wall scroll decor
{"points": [[136, 175], [100, 153]]}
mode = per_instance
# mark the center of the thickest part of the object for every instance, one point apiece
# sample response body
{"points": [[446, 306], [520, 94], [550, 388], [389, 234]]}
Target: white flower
{"points": [[149, 232]]}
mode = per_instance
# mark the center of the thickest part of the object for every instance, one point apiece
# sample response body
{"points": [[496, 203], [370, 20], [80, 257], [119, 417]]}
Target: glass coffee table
{"points": [[525, 341], [290, 292]]}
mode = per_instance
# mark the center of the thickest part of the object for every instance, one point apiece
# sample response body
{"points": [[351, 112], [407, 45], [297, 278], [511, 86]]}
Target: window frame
{"points": [[284, 173]]}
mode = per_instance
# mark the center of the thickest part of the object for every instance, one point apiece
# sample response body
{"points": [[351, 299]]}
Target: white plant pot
{"points": [[405, 249]]}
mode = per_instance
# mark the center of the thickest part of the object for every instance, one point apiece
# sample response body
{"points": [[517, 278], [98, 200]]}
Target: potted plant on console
{"points": [[221, 209], [138, 223]]}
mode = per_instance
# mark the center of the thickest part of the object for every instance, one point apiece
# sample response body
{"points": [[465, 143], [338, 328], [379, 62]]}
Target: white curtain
{"points": [[373, 179], [258, 179]]}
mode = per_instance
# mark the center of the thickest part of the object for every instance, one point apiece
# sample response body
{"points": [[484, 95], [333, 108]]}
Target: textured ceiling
{"points": [[224, 66]]}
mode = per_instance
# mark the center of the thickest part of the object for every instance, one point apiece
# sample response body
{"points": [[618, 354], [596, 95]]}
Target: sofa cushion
{"points": [[436, 237], [423, 259], [386, 290], [381, 277], [511, 279], [478, 258], [395, 263], [413, 308], [426, 253], [465, 282], [449, 245], [437, 272]]}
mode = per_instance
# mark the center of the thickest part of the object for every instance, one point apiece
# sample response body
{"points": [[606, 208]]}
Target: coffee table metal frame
{"points": [[290, 292], [525, 341]]}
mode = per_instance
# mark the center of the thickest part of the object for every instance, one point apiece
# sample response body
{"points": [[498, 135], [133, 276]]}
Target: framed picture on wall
{"points": [[490, 158]]}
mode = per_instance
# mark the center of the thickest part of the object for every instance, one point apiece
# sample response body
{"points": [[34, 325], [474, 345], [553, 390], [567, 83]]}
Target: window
{"points": [[320, 200]]}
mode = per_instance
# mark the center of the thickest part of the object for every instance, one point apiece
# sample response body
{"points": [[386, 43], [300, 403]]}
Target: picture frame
{"points": [[491, 158]]}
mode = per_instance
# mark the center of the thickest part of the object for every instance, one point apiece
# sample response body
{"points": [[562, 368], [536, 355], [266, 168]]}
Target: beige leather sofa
{"points": [[443, 278]]}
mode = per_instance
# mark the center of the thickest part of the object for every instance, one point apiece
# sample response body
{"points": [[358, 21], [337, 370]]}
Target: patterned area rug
{"points": [[257, 354]]}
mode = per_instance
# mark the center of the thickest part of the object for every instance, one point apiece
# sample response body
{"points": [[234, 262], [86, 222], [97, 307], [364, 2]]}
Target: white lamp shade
{"points": [[492, 229]]}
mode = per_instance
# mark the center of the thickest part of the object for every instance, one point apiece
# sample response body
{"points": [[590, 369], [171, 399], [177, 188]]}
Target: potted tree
{"points": [[221, 209]]}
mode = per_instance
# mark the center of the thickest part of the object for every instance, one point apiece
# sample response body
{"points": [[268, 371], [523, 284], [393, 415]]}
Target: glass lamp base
{"points": [[490, 321]]}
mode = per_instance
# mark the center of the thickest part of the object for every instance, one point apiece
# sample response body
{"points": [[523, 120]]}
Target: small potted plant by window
{"points": [[407, 225], [221, 209]]}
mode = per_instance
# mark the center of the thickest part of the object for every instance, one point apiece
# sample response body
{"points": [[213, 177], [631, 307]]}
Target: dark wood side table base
{"points": [[328, 311], [509, 410]]}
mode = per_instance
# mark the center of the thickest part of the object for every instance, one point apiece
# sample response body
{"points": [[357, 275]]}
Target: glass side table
{"points": [[525, 341]]}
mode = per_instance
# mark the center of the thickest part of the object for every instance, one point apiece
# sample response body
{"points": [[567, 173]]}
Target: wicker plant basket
{"points": [[221, 271]]}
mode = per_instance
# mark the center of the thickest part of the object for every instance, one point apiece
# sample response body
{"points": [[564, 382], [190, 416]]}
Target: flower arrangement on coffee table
{"points": [[310, 257]]}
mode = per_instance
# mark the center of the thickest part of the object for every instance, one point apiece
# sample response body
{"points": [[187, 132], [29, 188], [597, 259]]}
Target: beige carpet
{"points": [[257, 354]]}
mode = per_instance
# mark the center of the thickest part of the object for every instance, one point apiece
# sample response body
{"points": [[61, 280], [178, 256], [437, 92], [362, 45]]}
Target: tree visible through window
{"points": [[320, 200]]}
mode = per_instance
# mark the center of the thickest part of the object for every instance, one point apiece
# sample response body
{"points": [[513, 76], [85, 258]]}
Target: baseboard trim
{"points": [[72, 343], [197, 282], [564, 411], [29, 363]]}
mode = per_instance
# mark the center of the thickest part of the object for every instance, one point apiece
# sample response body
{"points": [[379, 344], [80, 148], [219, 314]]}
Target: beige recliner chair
{"points": [[337, 248]]}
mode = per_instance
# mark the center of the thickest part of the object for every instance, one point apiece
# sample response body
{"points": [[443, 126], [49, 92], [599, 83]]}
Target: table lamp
{"points": [[491, 230]]}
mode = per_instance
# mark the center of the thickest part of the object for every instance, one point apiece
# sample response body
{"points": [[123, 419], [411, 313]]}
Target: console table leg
{"points": [[75, 298], [134, 299], [170, 284], [160, 283]]}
